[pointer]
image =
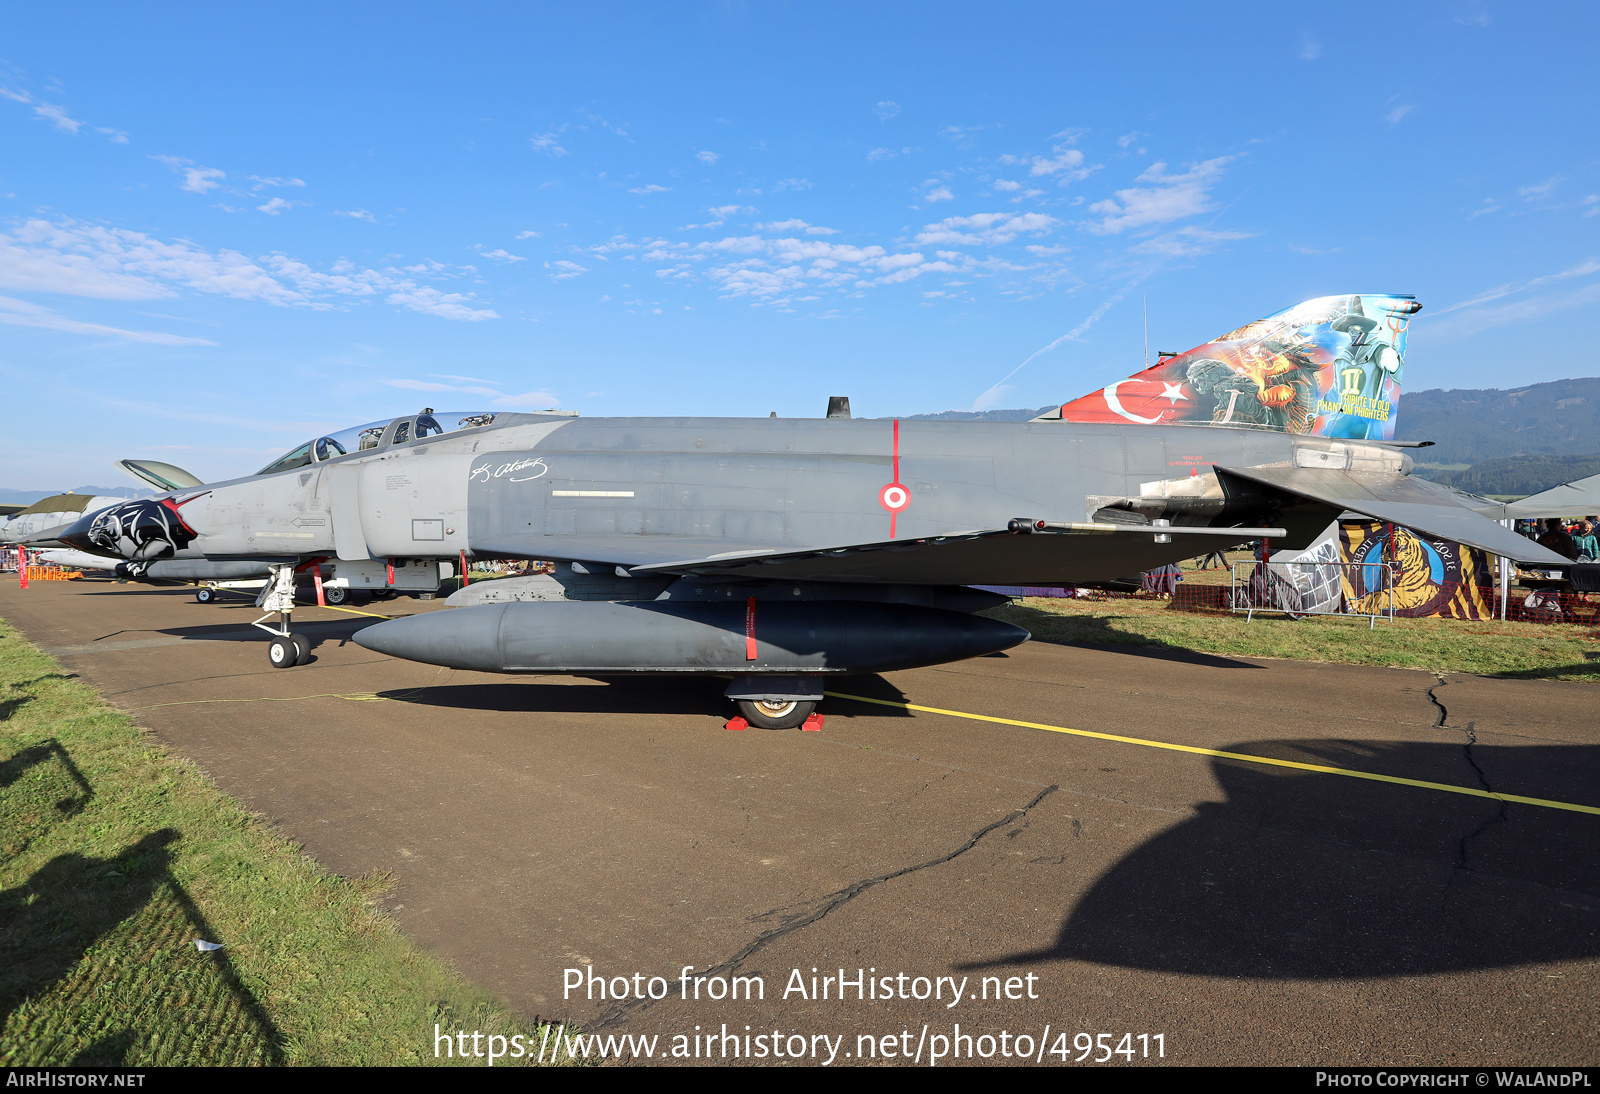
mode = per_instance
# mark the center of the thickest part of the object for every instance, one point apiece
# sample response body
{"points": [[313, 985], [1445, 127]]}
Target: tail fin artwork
{"points": [[1330, 366]]}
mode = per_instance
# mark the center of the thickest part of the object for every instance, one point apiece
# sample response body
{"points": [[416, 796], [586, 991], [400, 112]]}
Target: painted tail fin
{"points": [[1330, 366]]}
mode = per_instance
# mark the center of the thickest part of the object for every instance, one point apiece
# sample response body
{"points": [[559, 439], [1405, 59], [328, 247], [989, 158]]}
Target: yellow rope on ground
{"points": [[1244, 757]]}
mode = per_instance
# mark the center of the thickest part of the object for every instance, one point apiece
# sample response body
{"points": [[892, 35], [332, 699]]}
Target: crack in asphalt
{"points": [[1500, 815], [829, 903]]}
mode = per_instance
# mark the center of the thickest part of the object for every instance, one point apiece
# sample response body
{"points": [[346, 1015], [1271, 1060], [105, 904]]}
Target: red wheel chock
{"points": [[737, 722], [813, 724]]}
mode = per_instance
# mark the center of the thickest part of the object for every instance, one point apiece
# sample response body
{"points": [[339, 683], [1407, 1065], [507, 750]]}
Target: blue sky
{"points": [[224, 229]]}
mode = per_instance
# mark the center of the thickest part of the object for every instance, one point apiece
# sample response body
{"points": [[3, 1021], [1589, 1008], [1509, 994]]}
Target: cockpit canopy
{"points": [[360, 438]]}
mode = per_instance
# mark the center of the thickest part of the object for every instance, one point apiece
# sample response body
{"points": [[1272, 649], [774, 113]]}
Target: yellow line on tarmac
{"points": [[353, 611], [1318, 768]]}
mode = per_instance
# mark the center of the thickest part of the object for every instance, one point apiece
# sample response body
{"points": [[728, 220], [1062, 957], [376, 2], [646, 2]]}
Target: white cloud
{"points": [[424, 385], [500, 255], [263, 182], [1186, 242], [1592, 203], [708, 158], [1488, 206], [86, 260], [21, 313], [561, 269], [986, 229], [1127, 139], [430, 301], [1582, 269], [652, 188], [1006, 184], [1310, 49], [886, 110], [356, 214], [1540, 191], [534, 400], [547, 143], [1481, 318], [276, 206], [724, 211], [49, 111], [941, 193], [1064, 160], [796, 226], [791, 184], [531, 400], [196, 179], [961, 133], [1394, 116], [529, 234], [1167, 198]]}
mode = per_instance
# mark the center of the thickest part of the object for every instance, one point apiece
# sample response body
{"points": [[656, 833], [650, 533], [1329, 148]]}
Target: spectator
{"points": [[1163, 580], [1556, 539], [1586, 543]]}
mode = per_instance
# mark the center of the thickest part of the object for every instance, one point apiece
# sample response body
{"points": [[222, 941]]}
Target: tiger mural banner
{"points": [[1431, 576]]}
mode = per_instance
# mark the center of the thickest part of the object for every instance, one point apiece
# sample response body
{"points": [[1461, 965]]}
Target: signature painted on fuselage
{"points": [[485, 472]]}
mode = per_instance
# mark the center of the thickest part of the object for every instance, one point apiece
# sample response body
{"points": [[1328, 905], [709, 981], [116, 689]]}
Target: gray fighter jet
{"points": [[783, 551]]}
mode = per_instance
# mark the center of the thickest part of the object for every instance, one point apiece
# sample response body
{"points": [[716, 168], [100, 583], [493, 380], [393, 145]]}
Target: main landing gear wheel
{"points": [[283, 652], [302, 646], [775, 713], [205, 595], [335, 595]]}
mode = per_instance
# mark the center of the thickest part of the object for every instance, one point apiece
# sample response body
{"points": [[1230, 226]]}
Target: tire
{"points": [[205, 595], [775, 714], [283, 653], [383, 594], [302, 647], [335, 595]]}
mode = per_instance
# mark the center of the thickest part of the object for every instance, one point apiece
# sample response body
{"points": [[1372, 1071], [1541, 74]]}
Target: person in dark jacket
{"points": [[1556, 539]]}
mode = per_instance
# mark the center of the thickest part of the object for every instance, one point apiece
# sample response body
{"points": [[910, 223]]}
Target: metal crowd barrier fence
{"points": [[1314, 588]]}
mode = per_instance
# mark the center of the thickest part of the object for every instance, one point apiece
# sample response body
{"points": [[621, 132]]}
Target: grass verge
{"points": [[1490, 648], [116, 856]]}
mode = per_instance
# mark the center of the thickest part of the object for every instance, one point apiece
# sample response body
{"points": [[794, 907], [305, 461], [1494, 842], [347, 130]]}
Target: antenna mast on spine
{"points": [[1146, 332]]}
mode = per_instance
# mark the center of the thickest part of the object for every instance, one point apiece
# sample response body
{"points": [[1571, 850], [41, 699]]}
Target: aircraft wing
{"points": [[1405, 500], [1570, 499], [1060, 554]]}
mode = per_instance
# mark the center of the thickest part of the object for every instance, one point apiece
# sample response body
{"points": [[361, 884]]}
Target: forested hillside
{"points": [[1560, 418]]}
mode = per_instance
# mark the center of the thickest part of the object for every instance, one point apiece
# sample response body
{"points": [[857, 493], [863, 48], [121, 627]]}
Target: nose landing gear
{"points": [[277, 596]]}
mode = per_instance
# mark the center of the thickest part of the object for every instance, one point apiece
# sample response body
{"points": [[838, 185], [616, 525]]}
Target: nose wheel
{"points": [[287, 650]]}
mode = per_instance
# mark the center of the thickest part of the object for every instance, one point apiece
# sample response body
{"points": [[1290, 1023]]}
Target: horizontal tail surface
{"points": [[1330, 366]]}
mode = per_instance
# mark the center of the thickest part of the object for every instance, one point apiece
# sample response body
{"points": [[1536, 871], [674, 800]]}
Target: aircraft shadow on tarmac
{"points": [[1300, 875], [137, 920], [697, 695]]}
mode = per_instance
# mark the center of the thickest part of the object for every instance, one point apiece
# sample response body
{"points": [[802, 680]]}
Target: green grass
{"points": [[115, 856], [1490, 648]]}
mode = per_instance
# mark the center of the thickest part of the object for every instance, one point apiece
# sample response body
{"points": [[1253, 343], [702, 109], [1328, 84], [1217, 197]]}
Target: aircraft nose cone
{"points": [[460, 638], [77, 535]]}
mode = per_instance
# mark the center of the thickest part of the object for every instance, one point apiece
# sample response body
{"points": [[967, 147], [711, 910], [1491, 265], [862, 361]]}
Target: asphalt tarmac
{"points": [[551, 829]]}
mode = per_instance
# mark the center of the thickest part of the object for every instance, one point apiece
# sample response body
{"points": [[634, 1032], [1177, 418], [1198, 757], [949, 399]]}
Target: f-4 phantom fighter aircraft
{"points": [[783, 551]]}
